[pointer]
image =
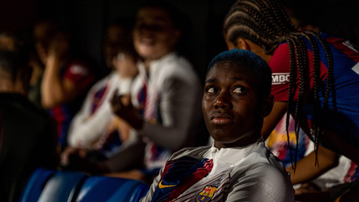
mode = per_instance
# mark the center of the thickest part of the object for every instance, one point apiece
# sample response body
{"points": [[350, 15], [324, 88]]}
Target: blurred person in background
{"points": [[161, 101], [66, 77], [166, 92], [94, 128], [27, 134]]}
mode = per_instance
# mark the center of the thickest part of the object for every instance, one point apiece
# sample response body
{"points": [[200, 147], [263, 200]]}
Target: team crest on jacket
{"points": [[206, 194]]}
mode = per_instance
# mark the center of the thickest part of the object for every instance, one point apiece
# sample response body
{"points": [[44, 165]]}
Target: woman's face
{"points": [[154, 33], [230, 105]]}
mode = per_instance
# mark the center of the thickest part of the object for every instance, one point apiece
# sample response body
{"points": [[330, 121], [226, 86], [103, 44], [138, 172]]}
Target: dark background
{"points": [[88, 19]]}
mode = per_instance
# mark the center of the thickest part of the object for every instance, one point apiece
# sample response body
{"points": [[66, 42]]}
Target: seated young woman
{"points": [[315, 80], [237, 167]]}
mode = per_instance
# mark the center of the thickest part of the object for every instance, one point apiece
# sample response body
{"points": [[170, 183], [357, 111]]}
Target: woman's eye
{"points": [[239, 90], [211, 90]]}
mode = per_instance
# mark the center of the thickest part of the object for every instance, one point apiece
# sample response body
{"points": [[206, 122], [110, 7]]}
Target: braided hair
{"points": [[265, 23]]}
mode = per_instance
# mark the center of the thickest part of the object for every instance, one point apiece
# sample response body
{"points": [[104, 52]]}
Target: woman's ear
{"points": [[267, 106], [243, 44], [240, 44]]}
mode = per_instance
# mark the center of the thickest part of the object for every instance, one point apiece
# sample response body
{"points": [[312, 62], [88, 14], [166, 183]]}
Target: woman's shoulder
{"points": [[193, 152]]}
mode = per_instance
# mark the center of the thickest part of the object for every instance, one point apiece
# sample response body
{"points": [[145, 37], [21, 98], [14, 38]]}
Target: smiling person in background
{"points": [[165, 92], [237, 167]]}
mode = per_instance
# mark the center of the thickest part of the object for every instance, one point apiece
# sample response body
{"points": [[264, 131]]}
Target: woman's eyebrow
{"points": [[214, 80], [237, 79]]}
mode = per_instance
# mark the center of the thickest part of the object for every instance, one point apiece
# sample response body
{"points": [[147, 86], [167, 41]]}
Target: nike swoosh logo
{"points": [[161, 186]]}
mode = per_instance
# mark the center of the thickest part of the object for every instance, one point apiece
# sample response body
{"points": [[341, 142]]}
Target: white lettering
{"points": [[280, 78]]}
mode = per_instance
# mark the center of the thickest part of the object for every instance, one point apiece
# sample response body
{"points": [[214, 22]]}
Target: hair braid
{"points": [[284, 20], [328, 87], [301, 53], [316, 78], [255, 25], [266, 12], [292, 76]]}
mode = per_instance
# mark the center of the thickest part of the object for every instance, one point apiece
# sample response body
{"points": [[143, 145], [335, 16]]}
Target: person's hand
{"points": [[125, 65], [71, 151], [121, 126], [307, 188], [58, 47], [124, 130], [76, 159], [122, 107]]}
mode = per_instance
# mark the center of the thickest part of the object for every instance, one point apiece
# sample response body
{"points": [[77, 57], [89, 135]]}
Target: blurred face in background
{"points": [[7, 42], [154, 33], [115, 39]]}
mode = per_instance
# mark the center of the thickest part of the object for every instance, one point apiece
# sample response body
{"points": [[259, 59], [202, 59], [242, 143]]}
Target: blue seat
{"points": [[58, 186], [36, 184], [63, 186], [100, 188], [131, 191]]}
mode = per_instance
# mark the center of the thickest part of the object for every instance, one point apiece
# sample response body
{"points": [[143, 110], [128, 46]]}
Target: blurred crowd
{"points": [[59, 110]]}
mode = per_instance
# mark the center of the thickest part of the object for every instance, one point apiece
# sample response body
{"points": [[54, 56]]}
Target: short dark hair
{"points": [[252, 62], [14, 60], [172, 11]]}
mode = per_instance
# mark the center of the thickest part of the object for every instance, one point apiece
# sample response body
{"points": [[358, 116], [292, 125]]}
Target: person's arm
{"points": [[271, 121], [179, 100], [85, 130], [306, 169], [280, 65], [130, 155], [56, 90], [178, 106]]}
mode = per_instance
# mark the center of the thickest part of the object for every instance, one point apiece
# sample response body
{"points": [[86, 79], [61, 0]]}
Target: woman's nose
{"points": [[223, 101]]}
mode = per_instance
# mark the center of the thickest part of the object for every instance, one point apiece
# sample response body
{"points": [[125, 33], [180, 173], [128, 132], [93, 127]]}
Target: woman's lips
{"points": [[221, 120]]}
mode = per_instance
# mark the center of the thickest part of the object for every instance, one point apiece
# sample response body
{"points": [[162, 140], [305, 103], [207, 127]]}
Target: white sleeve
{"points": [[180, 108], [83, 132], [84, 129], [267, 184]]}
